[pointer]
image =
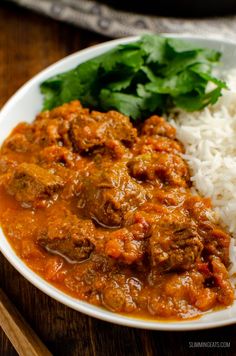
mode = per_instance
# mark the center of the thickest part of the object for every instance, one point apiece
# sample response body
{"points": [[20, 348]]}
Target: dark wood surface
{"points": [[28, 43]]}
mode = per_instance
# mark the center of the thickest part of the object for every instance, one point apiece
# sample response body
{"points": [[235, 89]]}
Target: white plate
{"points": [[23, 106]]}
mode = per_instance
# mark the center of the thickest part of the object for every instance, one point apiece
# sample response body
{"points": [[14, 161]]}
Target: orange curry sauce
{"points": [[103, 211]]}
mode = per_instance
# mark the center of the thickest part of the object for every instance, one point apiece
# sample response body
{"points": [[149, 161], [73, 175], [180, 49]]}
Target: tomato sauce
{"points": [[103, 210]]}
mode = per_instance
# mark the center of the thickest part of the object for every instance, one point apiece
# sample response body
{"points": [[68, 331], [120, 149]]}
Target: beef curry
{"points": [[104, 211]]}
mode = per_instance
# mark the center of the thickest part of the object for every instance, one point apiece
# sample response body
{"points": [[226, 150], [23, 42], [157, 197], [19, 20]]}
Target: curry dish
{"points": [[103, 210]]}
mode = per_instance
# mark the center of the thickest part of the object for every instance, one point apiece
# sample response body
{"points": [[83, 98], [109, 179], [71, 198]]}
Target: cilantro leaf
{"points": [[129, 105], [154, 47], [193, 101], [140, 78]]}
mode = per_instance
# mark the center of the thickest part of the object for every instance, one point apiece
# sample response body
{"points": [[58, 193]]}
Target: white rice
{"points": [[209, 137]]}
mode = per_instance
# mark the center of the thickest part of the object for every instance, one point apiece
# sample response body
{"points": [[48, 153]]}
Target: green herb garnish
{"points": [[140, 78]]}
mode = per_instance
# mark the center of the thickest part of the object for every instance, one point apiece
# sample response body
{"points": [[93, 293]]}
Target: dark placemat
{"points": [[178, 8]]}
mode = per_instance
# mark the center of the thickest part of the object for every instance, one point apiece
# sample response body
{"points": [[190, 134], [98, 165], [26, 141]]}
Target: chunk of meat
{"points": [[113, 297], [181, 291], [151, 144], [170, 196], [32, 185], [6, 164], [17, 143], [57, 155], [107, 194], [199, 208], [113, 149], [120, 293], [67, 235], [52, 127], [48, 132], [216, 241], [157, 125], [175, 249], [97, 129], [223, 285], [66, 112], [160, 167]]}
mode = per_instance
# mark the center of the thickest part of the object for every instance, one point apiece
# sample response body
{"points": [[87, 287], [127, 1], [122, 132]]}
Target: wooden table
{"points": [[28, 43]]}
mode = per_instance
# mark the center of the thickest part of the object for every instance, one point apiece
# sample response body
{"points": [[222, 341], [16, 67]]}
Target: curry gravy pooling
{"points": [[104, 212]]}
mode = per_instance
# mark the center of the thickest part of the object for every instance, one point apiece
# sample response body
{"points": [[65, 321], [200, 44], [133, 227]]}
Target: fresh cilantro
{"points": [[130, 105], [140, 78]]}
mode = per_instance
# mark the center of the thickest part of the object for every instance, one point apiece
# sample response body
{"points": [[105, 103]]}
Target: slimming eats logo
{"points": [[208, 344]]}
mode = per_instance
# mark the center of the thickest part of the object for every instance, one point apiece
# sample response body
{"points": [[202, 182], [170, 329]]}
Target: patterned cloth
{"points": [[105, 20]]}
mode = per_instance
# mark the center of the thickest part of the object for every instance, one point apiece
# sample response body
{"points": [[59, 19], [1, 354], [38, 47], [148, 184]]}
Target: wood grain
{"points": [[29, 43], [22, 337]]}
